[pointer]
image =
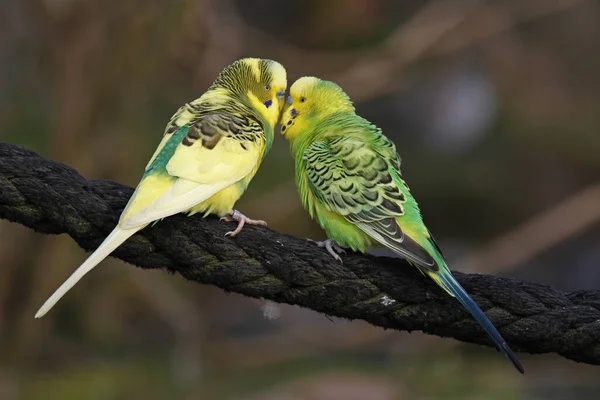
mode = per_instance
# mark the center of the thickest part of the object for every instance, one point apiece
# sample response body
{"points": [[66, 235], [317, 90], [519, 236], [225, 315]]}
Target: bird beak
{"points": [[289, 100]]}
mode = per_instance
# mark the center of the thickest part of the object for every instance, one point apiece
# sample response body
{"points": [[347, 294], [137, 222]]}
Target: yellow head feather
{"points": [[258, 83], [312, 99], [268, 94]]}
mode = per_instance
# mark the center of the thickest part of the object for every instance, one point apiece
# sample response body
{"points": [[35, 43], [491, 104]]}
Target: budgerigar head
{"points": [[311, 99], [259, 83]]}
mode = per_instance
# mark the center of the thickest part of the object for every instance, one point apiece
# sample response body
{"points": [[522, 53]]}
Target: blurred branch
{"points": [[526, 241], [53, 198], [493, 19], [440, 27], [378, 75]]}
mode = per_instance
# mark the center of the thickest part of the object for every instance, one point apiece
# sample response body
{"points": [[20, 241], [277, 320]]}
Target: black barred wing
{"points": [[353, 179], [219, 143], [193, 127], [211, 128]]}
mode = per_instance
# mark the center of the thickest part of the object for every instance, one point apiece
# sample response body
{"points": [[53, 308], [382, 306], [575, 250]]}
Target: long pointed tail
{"points": [[114, 240], [445, 279]]}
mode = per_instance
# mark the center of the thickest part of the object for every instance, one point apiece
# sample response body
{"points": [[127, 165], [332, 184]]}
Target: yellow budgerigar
{"points": [[211, 149]]}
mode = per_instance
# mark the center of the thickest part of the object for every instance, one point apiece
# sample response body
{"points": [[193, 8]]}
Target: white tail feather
{"points": [[180, 197], [114, 240]]}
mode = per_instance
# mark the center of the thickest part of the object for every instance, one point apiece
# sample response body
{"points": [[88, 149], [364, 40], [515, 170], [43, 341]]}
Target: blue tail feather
{"points": [[452, 285]]}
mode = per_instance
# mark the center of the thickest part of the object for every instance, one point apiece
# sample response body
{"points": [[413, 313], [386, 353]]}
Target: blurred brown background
{"points": [[495, 110]]}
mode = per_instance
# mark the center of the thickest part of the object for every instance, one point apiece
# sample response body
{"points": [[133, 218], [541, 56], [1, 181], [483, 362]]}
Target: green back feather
{"points": [[159, 163]]}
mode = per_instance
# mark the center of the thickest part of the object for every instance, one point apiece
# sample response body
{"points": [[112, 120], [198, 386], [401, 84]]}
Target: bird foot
{"points": [[331, 247], [241, 219]]}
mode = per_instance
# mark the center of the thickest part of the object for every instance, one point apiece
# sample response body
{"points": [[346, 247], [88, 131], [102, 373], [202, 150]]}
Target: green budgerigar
{"points": [[349, 179]]}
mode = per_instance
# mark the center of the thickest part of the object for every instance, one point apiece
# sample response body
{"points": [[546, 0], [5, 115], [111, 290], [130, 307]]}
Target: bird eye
{"points": [[267, 88], [302, 99]]}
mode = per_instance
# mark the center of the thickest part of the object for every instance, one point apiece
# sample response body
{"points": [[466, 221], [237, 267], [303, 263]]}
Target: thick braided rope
{"points": [[50, 197]]}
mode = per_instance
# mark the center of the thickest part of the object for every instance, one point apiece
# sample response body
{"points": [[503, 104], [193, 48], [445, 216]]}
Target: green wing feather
{"points": [[355, 173]]}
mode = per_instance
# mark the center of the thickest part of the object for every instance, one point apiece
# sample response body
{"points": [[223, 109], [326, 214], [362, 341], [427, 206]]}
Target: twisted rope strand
{"points": [[53, 198]]}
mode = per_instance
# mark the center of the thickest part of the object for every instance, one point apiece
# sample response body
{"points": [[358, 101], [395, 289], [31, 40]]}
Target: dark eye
{"points": [[267, 88], [302, 99]]}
